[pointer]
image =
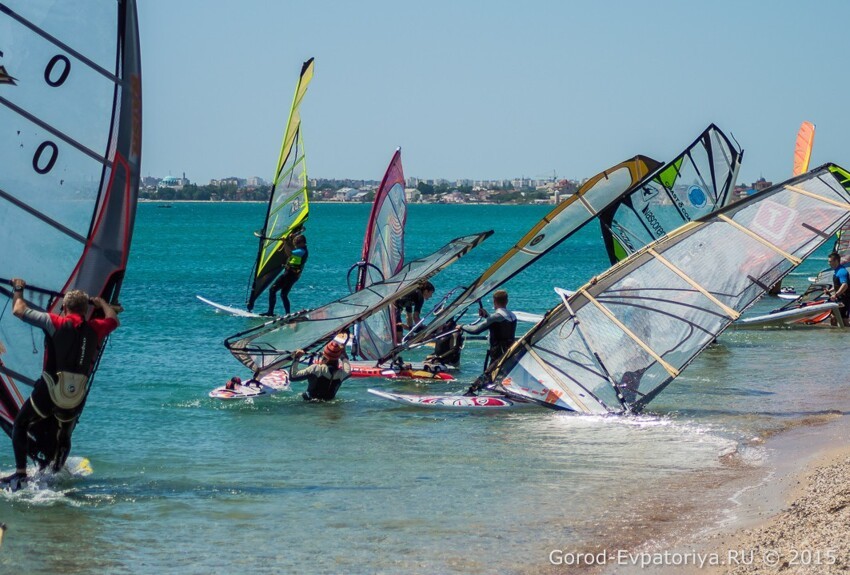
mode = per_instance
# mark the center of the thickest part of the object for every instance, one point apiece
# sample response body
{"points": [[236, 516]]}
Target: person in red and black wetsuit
{"points": [[71, 345]]}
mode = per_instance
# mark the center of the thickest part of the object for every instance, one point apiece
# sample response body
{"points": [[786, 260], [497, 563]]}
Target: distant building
{"points": [[412, 195], [256, 181]]}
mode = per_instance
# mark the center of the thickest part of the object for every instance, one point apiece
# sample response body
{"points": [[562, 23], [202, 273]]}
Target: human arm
{"points": [[19, 306], [844, 280], [108, 311], [480, 326], [296, 374]]}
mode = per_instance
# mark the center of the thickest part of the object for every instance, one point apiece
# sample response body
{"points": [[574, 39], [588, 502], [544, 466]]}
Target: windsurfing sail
{"points": [[70, 143], [269, 346], [288, 203], [803, 148], [700, 180], [617, 342], [555, 227], [383, 257]]}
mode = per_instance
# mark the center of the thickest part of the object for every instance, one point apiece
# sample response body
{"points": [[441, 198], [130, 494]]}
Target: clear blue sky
{"points": [[494, 89]]}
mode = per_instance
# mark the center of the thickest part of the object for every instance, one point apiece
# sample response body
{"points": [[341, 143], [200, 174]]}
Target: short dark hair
{"points": [[834, 255], [427, 286], [500, 297]]}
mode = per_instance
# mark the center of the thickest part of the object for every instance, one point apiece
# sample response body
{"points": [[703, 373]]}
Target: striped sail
{"points": [[70, 148], [700, 180]]}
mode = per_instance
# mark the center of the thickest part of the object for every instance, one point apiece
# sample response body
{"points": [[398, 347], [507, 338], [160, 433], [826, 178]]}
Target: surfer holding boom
{"points": [[71, 345]]}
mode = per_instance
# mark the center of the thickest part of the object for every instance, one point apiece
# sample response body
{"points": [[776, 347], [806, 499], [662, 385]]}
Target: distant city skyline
{"points": [[483, 90]]}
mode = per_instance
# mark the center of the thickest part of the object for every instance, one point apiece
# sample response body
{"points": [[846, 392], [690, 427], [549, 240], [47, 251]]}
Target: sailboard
{"points": [[71, 140], [382, 257], [272, 383], [270, 346], [288, 205], [697, 182], [451, 402], [618, 342], [235, 311], [414, 372], [815, 314], [555, 227]]}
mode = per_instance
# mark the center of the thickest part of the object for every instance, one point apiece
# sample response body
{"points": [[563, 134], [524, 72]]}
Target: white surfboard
{"points": [[272, 383], [228, 309], [797, 317], [475, 402]]}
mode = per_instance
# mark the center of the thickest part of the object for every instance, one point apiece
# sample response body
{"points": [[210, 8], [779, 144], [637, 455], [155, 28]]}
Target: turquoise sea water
{"points": [[186, 484]]}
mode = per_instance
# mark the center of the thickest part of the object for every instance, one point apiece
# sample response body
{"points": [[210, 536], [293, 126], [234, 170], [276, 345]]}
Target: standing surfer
{"points": [[71, 349], [502, 326], [840, 291], [296, 259]]}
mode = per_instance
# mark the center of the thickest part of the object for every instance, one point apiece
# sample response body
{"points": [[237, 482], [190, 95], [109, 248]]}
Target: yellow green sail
{"points": [[288, 205]]}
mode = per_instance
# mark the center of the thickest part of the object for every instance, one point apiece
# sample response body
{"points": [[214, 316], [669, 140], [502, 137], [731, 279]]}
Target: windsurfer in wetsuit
{"points": [[412, 306], [325, 376], [71, 345], [502, 326], [296, 260], [840, 291]]}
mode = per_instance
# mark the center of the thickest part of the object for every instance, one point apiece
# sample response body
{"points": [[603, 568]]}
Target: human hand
{"points": [[298, 354], [99, 302], [18, 283], [482, 312]]}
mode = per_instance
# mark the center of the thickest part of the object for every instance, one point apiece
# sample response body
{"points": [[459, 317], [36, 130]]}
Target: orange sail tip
{"points": [[803, 148]]}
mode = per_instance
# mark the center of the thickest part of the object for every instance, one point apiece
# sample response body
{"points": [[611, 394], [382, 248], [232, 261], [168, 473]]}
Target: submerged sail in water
{"points": [[696, 183], [556, 226], [288, 205], [617, 342], [270, 346], [70, 145], [803, 148], [383, 257]]}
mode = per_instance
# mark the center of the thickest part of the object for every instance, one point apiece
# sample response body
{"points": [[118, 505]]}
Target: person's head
{"points": [[427, 289], [300, 241], [332, 352], [500, 298], [834, 260], [76, 301]]}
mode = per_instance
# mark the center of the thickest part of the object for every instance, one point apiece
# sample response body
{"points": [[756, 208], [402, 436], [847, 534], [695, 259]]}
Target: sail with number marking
{"points": [[555, 227], [288, 206], [70, 149], [270, 346], [383, 257], [618, 342], [700, 180]]}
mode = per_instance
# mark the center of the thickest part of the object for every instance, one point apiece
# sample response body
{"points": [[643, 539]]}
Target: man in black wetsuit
{"points": [[71, 345], [840, 291], [501, 324], [412, 306]]}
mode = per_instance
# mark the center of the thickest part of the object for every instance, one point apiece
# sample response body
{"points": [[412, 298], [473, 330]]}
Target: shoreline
{"points": [[790, 515]]}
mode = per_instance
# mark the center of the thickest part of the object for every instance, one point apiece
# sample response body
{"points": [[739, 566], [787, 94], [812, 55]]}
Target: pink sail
{"points": [[383, 257]]}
